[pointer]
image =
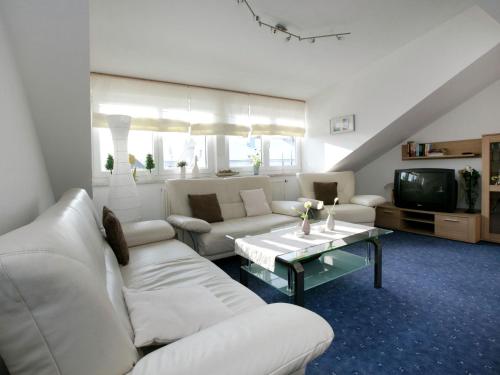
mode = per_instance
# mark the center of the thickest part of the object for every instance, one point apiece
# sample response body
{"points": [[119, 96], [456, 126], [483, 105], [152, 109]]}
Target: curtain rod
{"points": [[196, 86]]}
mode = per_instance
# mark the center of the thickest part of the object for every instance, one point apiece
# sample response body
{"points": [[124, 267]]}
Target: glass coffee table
{"points": [[293, 263]]}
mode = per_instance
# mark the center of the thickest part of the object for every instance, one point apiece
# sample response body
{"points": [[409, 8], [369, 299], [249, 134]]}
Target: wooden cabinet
{"points": [[490, 194], [457, 225]]}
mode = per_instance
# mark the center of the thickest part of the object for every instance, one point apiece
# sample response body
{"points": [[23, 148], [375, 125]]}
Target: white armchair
{"points": [[352, 208]]}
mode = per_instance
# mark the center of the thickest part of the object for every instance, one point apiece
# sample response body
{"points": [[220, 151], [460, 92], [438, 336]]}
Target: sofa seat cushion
{"points": [[215, 242], [173, 264], [353, 213]]}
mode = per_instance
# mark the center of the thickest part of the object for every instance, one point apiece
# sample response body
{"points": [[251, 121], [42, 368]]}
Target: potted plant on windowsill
{"points": [[110, 164], [256, 162], [150, 164], [182, 165]]}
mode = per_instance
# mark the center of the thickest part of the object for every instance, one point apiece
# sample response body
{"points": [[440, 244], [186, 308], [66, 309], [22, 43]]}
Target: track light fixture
{"points": [[282, 28]]}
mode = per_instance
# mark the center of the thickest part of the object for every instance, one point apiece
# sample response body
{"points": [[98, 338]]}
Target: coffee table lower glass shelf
{"points": [[328, 267]]}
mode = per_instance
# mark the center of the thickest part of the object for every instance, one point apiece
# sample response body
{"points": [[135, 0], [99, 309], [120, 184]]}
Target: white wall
{"points": [[25, 189], [50, 40], [477, 116], [388, 89]]}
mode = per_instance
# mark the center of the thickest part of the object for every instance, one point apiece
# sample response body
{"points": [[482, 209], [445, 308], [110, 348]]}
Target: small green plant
{"points": [[150, 163], [110, 163], [181, 163]]}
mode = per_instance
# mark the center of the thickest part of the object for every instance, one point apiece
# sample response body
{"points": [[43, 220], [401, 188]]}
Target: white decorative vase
{"points": [[330, 222], [195, 173], [123, 198], [183, 172]]}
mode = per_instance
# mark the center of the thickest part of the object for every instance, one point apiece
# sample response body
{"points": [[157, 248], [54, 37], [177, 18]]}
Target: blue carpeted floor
{"points": [[437, 313]]}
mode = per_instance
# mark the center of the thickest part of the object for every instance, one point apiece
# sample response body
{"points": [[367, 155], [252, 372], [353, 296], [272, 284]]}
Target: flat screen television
{"points": [[429, 189]]}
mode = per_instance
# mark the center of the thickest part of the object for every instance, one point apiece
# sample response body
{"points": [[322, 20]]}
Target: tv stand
{"points": [[458, 225]]}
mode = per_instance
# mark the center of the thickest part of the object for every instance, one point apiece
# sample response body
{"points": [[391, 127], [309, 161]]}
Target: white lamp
{"points": [[123, 198]]}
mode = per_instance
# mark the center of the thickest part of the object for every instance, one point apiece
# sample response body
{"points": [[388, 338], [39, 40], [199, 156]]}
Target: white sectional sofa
{"points": [[352, 208], [62, 309], [209, 239]]}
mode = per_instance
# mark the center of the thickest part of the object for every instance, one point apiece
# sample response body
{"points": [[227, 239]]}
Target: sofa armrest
{"points": [[368, 200], [316, 204], [289, 208], [144, 232], [190, 224], [272, 339]]}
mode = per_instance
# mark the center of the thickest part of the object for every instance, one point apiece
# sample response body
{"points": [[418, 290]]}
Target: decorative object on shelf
{"points": [[330, 220], [469, 181], [495, 180], [342, 124], [132, 161], [182, 165], [195, 173], [123, 198], [110, 163], [279, 27], [150, 163], [256, 162], [226, 173], [305, 226]]}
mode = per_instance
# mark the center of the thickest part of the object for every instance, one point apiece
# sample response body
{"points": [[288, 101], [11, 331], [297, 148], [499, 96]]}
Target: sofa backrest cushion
{"points": [[56, 316], [345, 184], [227, 190]]}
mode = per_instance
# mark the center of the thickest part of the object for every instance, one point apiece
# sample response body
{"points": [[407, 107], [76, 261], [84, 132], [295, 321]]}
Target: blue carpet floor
{"points": [[437, 313]]}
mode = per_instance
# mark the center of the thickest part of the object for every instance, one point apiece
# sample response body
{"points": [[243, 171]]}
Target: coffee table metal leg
{"points": [[298, 276], [243, 273], [378, 263]]}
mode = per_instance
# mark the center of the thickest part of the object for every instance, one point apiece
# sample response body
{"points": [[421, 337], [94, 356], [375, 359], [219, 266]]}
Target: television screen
{"points": [[426, 189]]}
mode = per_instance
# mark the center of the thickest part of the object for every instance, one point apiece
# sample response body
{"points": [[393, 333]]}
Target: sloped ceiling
{"points": [[216, 43]]}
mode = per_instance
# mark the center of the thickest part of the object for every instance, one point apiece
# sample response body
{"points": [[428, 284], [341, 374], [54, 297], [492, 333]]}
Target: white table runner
{"points": [[263, 249]]}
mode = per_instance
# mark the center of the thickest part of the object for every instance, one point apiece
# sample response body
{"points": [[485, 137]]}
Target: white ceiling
{"points": [[216, 43]]}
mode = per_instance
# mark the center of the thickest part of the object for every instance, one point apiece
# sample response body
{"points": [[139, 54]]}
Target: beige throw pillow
{"points": [[165, 315], [255, 202]]}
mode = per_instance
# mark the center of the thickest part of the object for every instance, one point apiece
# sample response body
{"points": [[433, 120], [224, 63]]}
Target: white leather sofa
{"points": [[210, 239], [352, 208], [62, 309]]}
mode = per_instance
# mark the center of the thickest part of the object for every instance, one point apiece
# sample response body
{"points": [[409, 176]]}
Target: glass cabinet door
{"points": [[495, 212], [495, 163]]}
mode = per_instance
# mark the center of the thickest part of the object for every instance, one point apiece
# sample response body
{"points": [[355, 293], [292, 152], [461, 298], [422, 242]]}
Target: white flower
{"points": [[307, 205], [468, 168]]}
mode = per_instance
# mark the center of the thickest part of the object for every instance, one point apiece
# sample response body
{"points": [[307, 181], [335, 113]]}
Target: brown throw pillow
{"points": [[325, 191], [115, 236], [205, 207]]}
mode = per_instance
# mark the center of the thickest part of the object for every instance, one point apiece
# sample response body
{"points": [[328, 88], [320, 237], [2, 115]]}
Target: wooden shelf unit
{"points": [[458, 225], [454, 149]]}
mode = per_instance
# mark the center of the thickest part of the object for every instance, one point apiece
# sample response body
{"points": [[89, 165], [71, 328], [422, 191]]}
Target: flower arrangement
{"points": [[150, 163], [256, 159], [305, 215], [181, 163], [469, 181], [110, 163], [331, 210], [132, 161]]}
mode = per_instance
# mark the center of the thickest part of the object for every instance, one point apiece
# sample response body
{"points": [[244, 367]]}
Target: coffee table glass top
{"points": [[323, 262]]}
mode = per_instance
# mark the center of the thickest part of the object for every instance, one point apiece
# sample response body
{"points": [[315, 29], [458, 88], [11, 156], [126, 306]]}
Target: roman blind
{"points": [[275, 116], [169, 107], [155, 106], [216, 112]]}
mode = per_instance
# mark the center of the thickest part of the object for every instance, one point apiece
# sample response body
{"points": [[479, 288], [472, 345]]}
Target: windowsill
{"points": [[155, 179]]}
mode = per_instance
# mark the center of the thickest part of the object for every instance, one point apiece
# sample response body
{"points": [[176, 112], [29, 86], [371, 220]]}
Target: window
{"points": [[182, 146], [282, 151], [105, 147], [140, 143], [240, 149]]}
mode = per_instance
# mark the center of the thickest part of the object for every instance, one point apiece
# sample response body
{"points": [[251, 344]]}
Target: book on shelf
{"points": [[418, 149]]}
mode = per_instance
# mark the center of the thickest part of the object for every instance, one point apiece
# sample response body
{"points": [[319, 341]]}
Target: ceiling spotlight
{"points": [[288, 38], [313, 40], [340, 37]]}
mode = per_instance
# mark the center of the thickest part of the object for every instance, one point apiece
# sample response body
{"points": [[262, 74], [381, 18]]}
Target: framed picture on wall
{"points": [[342, 124]]}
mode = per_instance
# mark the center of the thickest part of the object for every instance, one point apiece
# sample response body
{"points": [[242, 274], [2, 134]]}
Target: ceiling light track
{"points": [[282, 28]]}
